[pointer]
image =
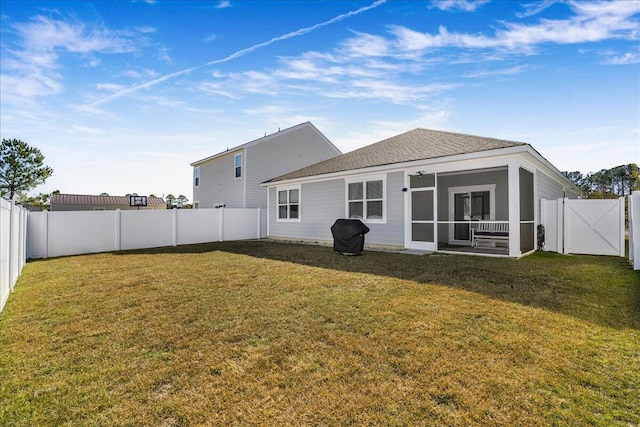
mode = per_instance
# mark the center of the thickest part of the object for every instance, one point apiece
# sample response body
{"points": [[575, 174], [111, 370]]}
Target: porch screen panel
{"points": [[422, 181], [422, 232], [527, 237], [526, 196], [422, 205], [527, 212]]}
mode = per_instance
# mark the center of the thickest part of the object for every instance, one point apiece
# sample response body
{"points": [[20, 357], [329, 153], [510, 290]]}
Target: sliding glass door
{"points": [[466, 205]]}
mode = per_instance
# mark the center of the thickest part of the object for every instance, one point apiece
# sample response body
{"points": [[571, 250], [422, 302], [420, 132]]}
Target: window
{"points": [[289, 204], [365, 200], [237, 160], [196, 177]]}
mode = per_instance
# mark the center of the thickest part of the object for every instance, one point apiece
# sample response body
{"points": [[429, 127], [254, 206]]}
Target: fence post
{"points": [[561, 245], [221, 230], [259, 224], [630, 201], [12, 208], [22, 236], [174, 234], [621, 203], [634, 226], [117, 230]]}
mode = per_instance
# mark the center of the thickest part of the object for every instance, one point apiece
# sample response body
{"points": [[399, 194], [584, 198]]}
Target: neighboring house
{"points": [[233, 178], [423, 190], [85, 202]]}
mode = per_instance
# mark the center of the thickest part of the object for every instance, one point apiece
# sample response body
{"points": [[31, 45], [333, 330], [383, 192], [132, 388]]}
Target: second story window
{"points": [[238, 165], [196, 177]]}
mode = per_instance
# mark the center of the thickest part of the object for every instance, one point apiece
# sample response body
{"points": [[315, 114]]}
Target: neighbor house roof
{"points": [[86, 199], [417, 144], [264, 139]]}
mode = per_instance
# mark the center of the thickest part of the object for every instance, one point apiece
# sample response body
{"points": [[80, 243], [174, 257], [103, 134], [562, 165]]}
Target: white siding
{"points": [[264, 159], [324, 202], [282, 154], [392, 232], [548, 189], [218, 183], [321, 203]]}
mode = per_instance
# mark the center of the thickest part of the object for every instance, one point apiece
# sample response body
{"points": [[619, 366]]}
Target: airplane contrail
{"points": [[230, 57]]}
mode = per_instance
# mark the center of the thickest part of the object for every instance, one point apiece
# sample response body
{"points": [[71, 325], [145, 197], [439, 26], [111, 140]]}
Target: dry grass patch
{"points": [[258, 333]]}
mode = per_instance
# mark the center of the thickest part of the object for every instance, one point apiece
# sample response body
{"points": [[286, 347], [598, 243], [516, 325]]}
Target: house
{"points": [[85, 202], [233, 178], [423, 190]]}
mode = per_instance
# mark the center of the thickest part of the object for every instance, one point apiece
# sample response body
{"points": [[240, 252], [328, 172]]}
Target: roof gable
{"points": [[265, 139], [417, 144]]}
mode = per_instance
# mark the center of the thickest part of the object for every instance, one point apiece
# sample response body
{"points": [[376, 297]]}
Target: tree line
{"points": [[22, 169], [607, 183]]}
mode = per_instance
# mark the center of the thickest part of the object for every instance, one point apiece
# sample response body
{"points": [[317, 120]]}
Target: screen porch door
{"points": [[422, 210]]}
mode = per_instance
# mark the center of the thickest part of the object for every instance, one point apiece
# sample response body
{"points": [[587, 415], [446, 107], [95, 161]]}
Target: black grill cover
{"points": [[348, 236]]}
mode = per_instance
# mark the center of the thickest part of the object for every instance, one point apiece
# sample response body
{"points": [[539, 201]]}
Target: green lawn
{"points": [[260, 333]]}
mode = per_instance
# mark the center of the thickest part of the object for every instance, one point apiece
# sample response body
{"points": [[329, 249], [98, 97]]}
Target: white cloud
{"points": [[517, 69], [267, 110], [223, 4], [144, 73], [92, 63], [31, 66], [146, 29], [239, 53], [462, 5], [365, 45], [86, 130], [164, 55], [624, 59], [110, 87], [209, 38], [535, 8], [216, 88], [591, 22]]}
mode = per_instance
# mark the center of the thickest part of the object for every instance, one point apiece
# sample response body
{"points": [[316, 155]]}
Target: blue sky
{"points": [[121, 96]]}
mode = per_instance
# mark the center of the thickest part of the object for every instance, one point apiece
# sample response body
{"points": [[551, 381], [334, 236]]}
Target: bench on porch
{"points": [[491, 233]]}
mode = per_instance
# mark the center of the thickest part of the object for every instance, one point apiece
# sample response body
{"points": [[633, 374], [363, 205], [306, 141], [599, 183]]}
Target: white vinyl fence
{"points": [[53, 234], [13, 253], [584, 226], [634, 229]]}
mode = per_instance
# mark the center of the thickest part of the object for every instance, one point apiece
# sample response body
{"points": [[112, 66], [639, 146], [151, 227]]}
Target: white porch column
{"points": [[514, 209]]}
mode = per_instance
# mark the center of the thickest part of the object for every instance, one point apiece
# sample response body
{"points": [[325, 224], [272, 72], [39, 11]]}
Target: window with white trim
{"points": [[365, 199], [196, 176], [288, 204], [237, 161]]}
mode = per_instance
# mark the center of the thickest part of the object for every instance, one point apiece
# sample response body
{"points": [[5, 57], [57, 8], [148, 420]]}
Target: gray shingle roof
{"points": [[417, 144]]}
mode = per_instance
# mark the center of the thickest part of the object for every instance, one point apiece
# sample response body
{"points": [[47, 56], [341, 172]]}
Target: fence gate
{"points": [[592, 227]]}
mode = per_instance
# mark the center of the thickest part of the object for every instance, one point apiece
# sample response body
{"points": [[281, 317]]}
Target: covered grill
{"points": [[348, 236]]}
